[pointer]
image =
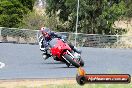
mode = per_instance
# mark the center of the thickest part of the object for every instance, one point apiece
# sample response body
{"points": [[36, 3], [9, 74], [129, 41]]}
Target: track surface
{"points": [[25, 61]]}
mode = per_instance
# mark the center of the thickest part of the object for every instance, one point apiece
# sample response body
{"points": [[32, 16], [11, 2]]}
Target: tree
{"points": [[95, 16], [12, 11], [32, 20], [28, 3], [129, 8]]}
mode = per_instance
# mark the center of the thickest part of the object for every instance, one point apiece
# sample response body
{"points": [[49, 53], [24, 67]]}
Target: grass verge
{"points": [[55, 83]]}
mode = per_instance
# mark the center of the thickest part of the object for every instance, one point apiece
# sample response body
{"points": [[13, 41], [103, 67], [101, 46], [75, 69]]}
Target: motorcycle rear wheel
{"points": [[69, 58]]}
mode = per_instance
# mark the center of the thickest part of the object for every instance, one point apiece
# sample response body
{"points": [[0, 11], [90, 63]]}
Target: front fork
{"points": [[66, 61]]}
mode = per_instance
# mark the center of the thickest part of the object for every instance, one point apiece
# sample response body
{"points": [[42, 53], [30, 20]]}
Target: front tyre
{"points": [[81, 63], [71, 60]]}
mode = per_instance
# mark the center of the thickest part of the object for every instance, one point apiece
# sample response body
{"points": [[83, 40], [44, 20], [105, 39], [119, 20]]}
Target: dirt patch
{"points": [[34, 82]]}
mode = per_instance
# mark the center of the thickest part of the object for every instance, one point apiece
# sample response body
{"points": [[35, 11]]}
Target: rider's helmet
{"points": [[45, 32]]}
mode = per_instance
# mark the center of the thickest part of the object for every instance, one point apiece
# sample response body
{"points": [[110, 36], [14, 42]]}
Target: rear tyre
{"points": [[69, 58]]}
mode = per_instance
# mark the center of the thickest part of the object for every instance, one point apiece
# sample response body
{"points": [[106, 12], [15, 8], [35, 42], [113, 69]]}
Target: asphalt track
{"points": [[19, 61]]}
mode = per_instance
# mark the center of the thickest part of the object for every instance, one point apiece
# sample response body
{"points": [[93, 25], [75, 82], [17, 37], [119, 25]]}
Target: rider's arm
{"points": [[56, 35], [64, 38]]}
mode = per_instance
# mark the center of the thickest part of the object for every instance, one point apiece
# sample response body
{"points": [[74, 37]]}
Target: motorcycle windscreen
{"points": [[53, 42], [58, 46]]}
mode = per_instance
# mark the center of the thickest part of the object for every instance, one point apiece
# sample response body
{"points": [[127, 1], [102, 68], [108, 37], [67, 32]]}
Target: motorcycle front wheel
{"points": [[81, 63], [71, 60]]}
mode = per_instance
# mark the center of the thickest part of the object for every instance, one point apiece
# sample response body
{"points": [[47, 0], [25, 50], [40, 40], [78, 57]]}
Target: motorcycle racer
{"points": [[47, 35]]}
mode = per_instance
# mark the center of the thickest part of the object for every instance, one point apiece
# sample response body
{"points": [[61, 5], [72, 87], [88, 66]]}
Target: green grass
{"points": [[85, 86]]}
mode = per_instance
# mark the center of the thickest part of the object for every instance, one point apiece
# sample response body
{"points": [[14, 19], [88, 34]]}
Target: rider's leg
{"points": [[45, 56], [74, 48]]}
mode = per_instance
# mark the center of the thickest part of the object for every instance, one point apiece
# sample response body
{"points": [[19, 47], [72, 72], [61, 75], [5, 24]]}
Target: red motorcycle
{"points": [[61, 51]]}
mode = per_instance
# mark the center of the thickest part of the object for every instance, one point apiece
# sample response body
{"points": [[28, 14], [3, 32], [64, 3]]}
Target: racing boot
{"points": [[76, 50], [45, 56]]}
